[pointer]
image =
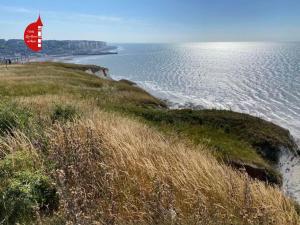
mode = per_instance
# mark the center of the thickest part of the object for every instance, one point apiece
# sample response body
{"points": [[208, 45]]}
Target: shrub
{"points": [[64, 113], [25, 192]]}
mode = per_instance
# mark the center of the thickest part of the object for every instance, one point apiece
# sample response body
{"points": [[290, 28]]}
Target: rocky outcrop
{"points": [[269, 175], [90, 69], [99, 72]]}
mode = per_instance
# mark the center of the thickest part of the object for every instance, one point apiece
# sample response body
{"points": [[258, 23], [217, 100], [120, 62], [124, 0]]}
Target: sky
{"points": [[155, 21]]}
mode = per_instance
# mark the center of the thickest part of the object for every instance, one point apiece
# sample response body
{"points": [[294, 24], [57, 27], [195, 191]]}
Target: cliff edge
{"points": [[79, 149]]}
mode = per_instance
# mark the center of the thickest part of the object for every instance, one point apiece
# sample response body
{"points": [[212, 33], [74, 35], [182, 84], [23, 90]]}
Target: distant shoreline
{"points": [[16, 49]]}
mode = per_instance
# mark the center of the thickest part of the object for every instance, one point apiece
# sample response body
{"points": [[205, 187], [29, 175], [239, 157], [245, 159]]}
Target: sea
{"points": [[258, 78]]}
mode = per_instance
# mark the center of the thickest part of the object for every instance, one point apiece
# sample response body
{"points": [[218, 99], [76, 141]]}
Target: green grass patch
{"points": [[237, 134], [12, 117]]}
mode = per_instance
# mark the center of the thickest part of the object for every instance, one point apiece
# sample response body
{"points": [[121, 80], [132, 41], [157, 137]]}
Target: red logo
{"points": [[33, 35]]}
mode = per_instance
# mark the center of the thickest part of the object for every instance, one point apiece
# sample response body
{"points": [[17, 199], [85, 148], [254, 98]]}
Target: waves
{"points": [[262, 79]]}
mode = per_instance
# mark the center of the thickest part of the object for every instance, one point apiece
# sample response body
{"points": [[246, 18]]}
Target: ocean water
{"points": [[262, 79]]}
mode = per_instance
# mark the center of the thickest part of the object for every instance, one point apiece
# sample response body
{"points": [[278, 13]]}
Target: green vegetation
{"points": [[13, 117], [222, 128], [64, 113], [25, 190], [75, 148]]}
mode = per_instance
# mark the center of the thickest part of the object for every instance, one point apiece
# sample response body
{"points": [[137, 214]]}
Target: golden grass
{"points": [[117, 171]]}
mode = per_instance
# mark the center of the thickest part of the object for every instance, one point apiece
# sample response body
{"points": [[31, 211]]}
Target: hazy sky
{"points": [[155, 20]]}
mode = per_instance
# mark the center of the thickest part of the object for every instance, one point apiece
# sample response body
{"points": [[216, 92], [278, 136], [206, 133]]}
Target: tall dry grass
{"points": [[112, 170]]}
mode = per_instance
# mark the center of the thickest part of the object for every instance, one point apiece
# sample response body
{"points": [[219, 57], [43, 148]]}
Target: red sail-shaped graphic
{"points": [[33, 35]]}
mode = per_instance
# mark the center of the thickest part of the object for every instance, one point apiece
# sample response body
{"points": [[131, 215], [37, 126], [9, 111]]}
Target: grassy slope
{"points": [[48, 92], [236, 138]]}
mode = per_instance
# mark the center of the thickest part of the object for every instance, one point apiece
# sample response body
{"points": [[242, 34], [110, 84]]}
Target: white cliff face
{"points": [[83, 44], [289, 166], [102, 73]]}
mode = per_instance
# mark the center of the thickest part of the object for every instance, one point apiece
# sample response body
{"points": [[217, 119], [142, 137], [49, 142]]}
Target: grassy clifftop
{"points": [[78, 149]]}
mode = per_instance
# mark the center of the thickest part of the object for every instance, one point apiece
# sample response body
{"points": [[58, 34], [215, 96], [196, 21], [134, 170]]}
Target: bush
{"points": [[25, 192], [64, 113], [13, 116]]}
